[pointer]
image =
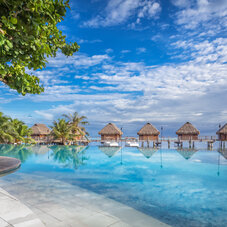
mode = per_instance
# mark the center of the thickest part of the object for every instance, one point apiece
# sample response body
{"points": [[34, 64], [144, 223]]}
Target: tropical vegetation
{"points": [[28, 37], [14, 131], [66, 130], [70, 128], [78, 124], [61, 130]]}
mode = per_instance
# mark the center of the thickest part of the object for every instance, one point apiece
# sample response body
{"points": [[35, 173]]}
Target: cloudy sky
{"points": [[158, 61]]}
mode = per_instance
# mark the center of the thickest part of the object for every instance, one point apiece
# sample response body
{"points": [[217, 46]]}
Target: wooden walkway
{"points": [[163, 139], [8, 164], [210, 140]]}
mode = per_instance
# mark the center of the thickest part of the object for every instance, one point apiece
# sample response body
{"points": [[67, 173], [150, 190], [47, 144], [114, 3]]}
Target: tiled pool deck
{"points": [[14, 213], [57, 203]]}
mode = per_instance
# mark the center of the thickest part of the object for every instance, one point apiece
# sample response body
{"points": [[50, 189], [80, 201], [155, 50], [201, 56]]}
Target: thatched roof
{"points": [[187, 129], [222, 130], [147, 152], [110, 151], [187, 153], [148, 129], [40, 129], [110, 129]]}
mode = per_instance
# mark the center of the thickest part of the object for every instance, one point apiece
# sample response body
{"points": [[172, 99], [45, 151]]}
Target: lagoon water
{"points": [[179, 187]]}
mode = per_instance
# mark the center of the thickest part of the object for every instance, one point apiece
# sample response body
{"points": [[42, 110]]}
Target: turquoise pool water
{"points": [[179, 187]]}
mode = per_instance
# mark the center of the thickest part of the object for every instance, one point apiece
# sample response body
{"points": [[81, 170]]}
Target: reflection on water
{"points": [[223, 152], [71, 156], [187, 153], [22, 152], [147, 152], [109, 151], [40, 149]]}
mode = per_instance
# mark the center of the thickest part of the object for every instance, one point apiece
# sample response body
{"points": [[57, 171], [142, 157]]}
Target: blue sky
{"points": [[140, 61]]}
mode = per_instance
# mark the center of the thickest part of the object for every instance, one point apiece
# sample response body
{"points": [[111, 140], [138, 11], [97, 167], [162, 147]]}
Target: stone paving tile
{"points": [[12, 209], [58, 203], [29, 223], [119, 224], [3, 223], [14, 213], [48, 220], [99, 220]]}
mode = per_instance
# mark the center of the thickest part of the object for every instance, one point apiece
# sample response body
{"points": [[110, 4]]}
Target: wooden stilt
{"points": [[169, 144]]}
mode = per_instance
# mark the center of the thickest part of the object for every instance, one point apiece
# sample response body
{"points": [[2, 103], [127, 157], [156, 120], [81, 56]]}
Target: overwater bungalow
{"points": [[110, 133], [222, 133], [40, 133], [187, 132], [148, 133]]}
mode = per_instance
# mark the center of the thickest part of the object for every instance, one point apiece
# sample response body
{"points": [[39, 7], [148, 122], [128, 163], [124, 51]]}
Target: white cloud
{"points": [[120, 11], [109, 50], [135, 92], [45, 115], [130, 92], [203, 12], [141, 50], [125, 51], [78, 60], [76, 15], [181, 3], [204, 51], [81, 41]]}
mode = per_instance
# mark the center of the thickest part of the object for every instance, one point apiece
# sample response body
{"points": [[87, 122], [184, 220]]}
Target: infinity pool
{"points": [[179, 187]]}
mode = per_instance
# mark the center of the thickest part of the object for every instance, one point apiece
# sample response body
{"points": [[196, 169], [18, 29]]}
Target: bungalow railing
{"points": [[160, 139], [206, 138]]}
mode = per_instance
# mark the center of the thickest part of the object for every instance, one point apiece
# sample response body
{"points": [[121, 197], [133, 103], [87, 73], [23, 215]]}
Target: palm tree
{"points": [[61, 130], [14, 131], [7, 131], [23, 133], [77, 122]]}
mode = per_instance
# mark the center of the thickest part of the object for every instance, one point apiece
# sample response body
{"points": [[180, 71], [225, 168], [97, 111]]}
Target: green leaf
{"points": [[9, 44], [13, 20], [29, 38]]}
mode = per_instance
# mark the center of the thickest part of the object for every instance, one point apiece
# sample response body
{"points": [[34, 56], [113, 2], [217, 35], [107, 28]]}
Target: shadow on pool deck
{"points": [[8, 164]]}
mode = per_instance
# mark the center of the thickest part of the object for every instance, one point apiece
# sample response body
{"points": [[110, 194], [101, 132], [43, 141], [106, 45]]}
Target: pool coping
{"points": [[8, 165]]}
